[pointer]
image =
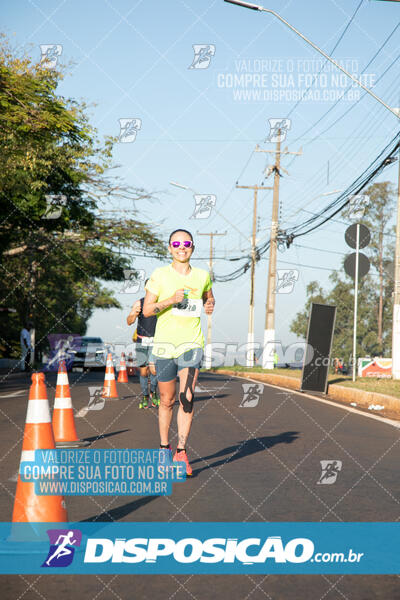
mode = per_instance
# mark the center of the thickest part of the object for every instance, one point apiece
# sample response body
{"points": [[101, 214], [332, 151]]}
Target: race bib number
{"points": [[147, 341], [188, 308]]}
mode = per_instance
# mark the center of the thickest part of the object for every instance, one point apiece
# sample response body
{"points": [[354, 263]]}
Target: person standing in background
{"points": [[26, 346]]}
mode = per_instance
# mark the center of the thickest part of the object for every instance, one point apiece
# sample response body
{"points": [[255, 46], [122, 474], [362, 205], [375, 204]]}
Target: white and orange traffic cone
{"points": [[122, 375], [110, 387], [64, 429], [38, 435], [130, 368]]}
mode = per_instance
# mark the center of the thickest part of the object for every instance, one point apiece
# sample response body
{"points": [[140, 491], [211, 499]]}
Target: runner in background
{"points": [[176, 294], [144, 357]]}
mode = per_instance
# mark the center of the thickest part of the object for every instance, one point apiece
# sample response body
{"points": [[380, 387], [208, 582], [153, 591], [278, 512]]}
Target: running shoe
{"points": [[155, 400], [144, 403], [182, 456]]}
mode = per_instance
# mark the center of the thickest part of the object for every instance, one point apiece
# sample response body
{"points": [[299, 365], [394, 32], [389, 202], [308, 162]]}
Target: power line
{"points": [[313, 139], [333, 49], [380, 162], [353, 105], [350, 153], [340, 99], [377, 124], [331, 52], [385, 233], [368, 175], [159, 257], [306, 266], [319, 249], [383, 160]]}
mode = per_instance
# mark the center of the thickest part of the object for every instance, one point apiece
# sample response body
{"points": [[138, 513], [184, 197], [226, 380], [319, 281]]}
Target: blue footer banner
{"points": [[213, 548]]}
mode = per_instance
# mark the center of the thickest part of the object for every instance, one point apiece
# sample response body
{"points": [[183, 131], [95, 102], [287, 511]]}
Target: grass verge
{"points": [[378, 385]]}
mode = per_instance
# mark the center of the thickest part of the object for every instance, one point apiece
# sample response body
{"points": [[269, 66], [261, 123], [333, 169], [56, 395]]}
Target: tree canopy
{"points": [[375, 304], [55, 244]]}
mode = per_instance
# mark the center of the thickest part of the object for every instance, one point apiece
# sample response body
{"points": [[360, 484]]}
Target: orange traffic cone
{"points": [[122, 375], [64, 430], [38, 435], [130, 368], [110, 387]]}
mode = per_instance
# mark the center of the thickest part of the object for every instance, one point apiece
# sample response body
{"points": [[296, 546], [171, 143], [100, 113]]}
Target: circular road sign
{"points": [[350, 265], [351, 236]]}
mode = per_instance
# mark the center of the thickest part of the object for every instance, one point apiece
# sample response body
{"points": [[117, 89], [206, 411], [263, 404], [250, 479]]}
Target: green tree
{"points": [[375, 305], [51, 267], [342, 296], [315, 293]]}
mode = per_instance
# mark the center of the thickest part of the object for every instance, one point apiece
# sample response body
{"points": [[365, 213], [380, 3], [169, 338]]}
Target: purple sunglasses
{"points": [[186, 244]]}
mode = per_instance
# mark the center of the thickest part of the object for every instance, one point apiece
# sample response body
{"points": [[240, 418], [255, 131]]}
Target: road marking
{"points": [[13, 394], [200, 390], [395, 424]]}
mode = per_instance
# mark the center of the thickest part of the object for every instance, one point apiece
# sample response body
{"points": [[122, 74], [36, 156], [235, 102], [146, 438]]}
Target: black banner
{"points": [[321, 325]]}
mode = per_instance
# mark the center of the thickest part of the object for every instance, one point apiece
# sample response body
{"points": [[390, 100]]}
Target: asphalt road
{"points": [[255, 458]]}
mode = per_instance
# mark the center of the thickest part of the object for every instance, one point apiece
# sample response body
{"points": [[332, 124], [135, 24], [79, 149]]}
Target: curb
{"points": [[336, 393]]}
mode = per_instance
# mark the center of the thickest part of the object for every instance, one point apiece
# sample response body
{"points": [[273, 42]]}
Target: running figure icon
{"points": [[62, 549], [330, 470]]}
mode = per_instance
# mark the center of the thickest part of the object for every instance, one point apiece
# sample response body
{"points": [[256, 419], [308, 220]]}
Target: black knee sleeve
{"points": [[187, 405]]}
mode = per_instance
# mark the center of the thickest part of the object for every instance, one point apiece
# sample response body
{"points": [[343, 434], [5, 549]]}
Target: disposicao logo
{"points": [[190, 550], [62, 542]]}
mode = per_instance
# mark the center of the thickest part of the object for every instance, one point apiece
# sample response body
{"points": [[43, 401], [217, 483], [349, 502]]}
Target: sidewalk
{"points": [[358, 398]]}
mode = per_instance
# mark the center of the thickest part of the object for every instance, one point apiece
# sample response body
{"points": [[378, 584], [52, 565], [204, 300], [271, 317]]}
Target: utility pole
{"points": [[209, 317], [269, 330], [250, 333]]}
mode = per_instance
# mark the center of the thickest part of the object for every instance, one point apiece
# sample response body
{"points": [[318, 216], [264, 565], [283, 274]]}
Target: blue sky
{"points": [[132, 59]]}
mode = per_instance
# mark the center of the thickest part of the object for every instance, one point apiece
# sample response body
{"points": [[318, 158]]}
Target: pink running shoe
{"points": [[182, 456]]}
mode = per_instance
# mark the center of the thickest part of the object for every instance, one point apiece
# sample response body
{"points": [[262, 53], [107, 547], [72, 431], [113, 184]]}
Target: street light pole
{"points": [[324, 54], [396, 293], [354, 369]]}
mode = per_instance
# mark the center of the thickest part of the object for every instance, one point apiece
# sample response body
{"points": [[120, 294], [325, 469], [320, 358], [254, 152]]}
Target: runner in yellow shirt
{"points": [[176, 294]]}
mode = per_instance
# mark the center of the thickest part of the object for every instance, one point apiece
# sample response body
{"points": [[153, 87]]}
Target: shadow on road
{"points": [[246, 448], [205, 395], [104, 435], [339, 379], [121, 511], [240, 450]]}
